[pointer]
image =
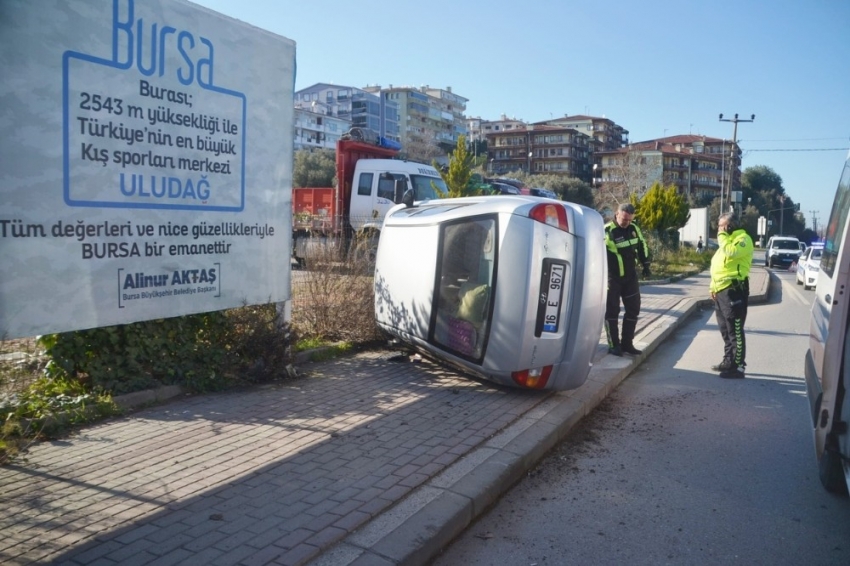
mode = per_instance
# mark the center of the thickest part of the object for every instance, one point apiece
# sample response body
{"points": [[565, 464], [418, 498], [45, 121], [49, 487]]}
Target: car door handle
{"points": [[828, 298]]}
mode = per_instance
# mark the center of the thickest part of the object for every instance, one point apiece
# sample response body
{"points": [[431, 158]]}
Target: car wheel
{"points": [[800, 282], [831, 472], [806, 287]]}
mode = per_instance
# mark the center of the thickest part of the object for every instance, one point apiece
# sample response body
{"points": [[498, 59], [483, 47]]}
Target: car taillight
{"points": [[551, 214], [532, 378]]}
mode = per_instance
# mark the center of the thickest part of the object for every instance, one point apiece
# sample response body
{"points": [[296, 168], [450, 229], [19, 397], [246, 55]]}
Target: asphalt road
{"points": [[679, 466]]}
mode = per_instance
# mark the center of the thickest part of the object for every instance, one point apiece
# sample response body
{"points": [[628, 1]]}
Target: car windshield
{"points": [[428, 188], [786, 245]]}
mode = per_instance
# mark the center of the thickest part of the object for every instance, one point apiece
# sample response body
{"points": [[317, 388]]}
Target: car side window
{"points": [[837, 222], [364, 187], [386, 187]]}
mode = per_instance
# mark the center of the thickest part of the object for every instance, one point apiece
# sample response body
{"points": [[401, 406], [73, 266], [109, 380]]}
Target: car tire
{"points": [[831, 473]]}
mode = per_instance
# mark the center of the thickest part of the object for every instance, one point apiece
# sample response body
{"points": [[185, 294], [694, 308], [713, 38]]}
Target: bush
{"points": [[670, 261], [202, 352], [335, 300]]}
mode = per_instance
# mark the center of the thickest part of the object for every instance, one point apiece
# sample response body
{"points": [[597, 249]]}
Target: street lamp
{"points": [[595, 166]]}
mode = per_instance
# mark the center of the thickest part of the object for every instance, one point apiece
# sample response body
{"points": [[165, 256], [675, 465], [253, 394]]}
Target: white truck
{"points": [[368, 179]]}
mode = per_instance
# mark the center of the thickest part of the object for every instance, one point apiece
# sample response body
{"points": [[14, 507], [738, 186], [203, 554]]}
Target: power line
{"points": [[797, 139], [803, 149]]}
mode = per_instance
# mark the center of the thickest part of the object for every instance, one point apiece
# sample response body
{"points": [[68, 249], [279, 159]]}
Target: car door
{"points": [[828, 360]]}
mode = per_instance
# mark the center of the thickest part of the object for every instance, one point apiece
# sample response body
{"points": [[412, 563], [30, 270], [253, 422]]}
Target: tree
{"points": [[628, 173], [571, 189], [764, 186], [459, 172], [422, 148], [316, 168], [661, 210]]}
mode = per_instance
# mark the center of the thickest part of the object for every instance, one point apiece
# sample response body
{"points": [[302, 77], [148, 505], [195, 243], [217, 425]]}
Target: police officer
{"points": [[730, 290], [625, 247]]}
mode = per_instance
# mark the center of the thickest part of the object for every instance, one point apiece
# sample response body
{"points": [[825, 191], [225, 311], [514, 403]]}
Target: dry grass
{"points": [[21, 363], [334, 299]]}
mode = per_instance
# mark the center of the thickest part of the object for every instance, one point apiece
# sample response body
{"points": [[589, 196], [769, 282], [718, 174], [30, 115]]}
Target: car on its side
{"points": [[507, 288], [808, 266], [782, 250], [827, 364]]}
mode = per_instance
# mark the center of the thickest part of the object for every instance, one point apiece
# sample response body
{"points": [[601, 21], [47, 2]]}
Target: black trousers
{"points": [[626, 289], [730, 310]]}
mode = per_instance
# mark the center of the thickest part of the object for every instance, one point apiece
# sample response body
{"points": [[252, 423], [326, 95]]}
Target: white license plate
{"points": [[554, 293]]}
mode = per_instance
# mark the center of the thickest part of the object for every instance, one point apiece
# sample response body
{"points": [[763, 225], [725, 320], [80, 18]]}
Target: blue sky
{"points": [[656, 67]]}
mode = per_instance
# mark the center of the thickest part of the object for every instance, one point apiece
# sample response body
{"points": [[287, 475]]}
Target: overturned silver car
{"points": [[508, 288]]}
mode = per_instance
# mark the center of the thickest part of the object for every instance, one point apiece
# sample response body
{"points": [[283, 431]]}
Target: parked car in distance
{"points": [[507, 288], [513, 182], [826, 364], [504, 188], [541, 192], [808, 266], [782, 250]]}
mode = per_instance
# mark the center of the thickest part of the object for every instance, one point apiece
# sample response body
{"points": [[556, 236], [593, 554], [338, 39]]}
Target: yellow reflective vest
{"points": [[625, 242], [732, 260]]}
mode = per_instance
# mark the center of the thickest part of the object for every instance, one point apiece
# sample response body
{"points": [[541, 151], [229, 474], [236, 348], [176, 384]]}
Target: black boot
{"points": [[612, 331], [628, 346]]}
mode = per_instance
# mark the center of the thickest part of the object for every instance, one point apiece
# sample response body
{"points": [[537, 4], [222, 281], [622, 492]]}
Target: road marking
{"points": [[792, 289]]}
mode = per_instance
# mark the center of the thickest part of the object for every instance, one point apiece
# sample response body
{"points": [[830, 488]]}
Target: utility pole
{"points": [[814, 214], [734, 167]]}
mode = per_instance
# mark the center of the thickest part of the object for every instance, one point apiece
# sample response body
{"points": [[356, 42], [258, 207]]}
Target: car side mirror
{"points": [[408, 198]]}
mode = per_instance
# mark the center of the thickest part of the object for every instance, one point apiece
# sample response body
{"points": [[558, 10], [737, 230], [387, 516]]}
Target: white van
{"points": [[827, 364], [508, 288]]}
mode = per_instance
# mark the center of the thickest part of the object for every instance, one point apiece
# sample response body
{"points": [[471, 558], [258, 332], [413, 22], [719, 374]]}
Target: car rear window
{"points": [[465, 286]]}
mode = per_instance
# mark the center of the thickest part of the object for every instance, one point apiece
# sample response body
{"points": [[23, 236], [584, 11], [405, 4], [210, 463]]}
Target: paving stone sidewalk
{"points": [[371, 459]]}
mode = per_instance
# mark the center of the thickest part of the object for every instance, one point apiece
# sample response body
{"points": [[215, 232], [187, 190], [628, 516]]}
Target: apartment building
{"points": [[427, 114], [699, 166], [356, 106], [317, 129], [606, 134], [478, 128], [540, 149]]}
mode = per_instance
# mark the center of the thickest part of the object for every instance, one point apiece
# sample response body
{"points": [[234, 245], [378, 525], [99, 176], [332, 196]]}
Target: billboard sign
{"points": [[146, 163]]}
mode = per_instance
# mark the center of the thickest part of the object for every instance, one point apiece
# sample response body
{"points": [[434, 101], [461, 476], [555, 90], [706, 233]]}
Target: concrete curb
{"points": [[417, 529], [148, 396]]}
